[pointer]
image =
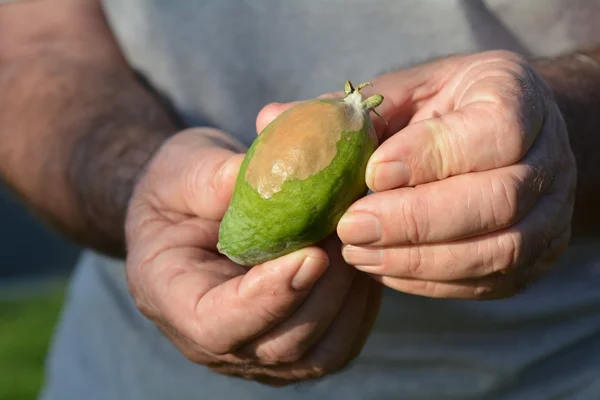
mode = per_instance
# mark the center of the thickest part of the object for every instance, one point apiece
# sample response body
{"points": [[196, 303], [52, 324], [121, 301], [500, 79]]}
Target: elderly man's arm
{"points": [[575, 80], [76, 125]]}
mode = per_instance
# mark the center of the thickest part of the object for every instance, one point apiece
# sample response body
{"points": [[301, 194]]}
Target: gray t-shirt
{"points": [[220, 61]]}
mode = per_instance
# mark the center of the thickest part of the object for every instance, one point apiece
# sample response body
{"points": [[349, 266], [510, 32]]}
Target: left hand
{"points": [[473, 183]]}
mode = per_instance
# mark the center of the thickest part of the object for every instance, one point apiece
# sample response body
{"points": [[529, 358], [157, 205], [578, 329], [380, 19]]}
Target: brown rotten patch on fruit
{"points": [[304, 169]]}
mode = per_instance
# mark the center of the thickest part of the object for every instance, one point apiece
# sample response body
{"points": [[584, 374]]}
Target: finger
{"points": [[218, 313], [492, 126], [496, 286], [459, 207], [334, 349], [292, 338], [502, 252], [337, 346], [454, 208], [330, 354], [195, 174]]}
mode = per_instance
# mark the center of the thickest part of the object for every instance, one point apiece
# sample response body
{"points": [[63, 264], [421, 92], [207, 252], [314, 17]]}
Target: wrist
{"points": [[102, 184], [107, 159]]}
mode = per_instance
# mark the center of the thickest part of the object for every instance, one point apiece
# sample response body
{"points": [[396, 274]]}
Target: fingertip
{"points": [[370, 176], [314, 264], [297, 271], [387, 175], [292, 263], [227, 174], [309, 273], [390, 166], [269, 112]]}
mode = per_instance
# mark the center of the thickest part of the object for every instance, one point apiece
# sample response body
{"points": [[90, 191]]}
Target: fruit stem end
{"points": [[370, 103]]}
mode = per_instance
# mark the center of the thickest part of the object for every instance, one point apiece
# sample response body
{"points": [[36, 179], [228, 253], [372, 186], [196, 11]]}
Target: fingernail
{"points": [[359, 228], [359, 256], [388, 175], [309, 273], [226, 172]]}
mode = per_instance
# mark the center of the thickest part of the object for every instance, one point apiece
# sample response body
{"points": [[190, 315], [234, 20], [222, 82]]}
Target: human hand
{"points": [[299, 317], [473, 185]]}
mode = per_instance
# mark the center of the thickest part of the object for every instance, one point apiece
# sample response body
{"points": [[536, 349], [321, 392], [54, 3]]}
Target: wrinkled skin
{"points": [[279, 322], [474, 185], [481, 208]]}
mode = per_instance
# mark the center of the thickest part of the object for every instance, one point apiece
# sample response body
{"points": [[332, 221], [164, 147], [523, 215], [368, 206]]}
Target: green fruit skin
{"points": [[255, 230]]}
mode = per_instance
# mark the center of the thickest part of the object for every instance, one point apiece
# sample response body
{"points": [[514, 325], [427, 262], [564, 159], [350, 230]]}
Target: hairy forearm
{"points": [[575, 80], [75, 135]]}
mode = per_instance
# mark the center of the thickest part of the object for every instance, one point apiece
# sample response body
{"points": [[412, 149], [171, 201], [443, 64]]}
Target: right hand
{"points": [[298, 317]]}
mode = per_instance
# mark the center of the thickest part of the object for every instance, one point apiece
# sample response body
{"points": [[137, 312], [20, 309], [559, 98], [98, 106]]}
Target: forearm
{"points": [[575, 80], [75, 135]]}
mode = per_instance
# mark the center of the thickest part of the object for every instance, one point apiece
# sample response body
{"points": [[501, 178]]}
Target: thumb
{"points": [[238, 310], [194, 175]]}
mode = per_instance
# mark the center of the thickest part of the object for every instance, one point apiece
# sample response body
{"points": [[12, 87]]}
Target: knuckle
{"points": [[505, 201], [519, 106], [438, 152], [413, 215], [483, 291], [498, 287], [277, 352], [414, 262], [192, 182], [328, 362], [309, 373], [428, 288], [510, 250], [509, 125]]}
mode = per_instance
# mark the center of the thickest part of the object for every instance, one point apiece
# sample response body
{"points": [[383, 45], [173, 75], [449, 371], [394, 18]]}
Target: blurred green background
{"points": [[33, 273], [26, 326]]}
